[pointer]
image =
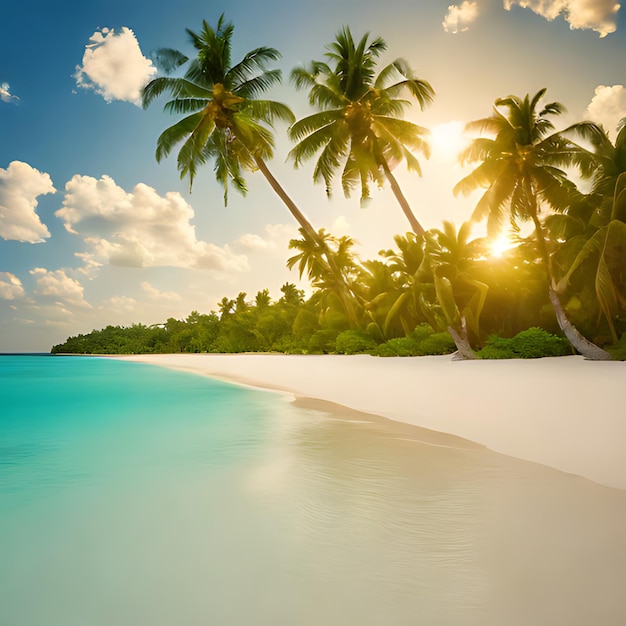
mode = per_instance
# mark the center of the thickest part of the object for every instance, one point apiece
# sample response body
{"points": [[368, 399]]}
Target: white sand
{"points": [[564, 412]]}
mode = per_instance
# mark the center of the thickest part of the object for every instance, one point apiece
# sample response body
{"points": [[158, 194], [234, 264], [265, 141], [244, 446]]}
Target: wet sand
{"points": [[563, 412]]}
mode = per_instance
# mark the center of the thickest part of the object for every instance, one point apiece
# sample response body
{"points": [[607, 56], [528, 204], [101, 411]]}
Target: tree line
{"points": [[568, 277]]}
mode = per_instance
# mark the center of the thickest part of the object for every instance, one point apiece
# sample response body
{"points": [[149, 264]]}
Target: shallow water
{"points": [[134, 495]]}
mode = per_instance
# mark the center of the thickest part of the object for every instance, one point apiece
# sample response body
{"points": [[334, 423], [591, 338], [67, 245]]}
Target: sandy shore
{"points": [[564, 412]]}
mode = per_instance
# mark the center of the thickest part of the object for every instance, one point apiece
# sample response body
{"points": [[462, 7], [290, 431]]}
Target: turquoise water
{"points": [[134, 495]]}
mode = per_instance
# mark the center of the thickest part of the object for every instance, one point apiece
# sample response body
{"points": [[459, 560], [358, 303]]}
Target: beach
{"points": [[563, 412]]}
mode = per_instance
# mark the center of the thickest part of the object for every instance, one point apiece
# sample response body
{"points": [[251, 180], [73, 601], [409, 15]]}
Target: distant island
{"points": [[295, 325]]}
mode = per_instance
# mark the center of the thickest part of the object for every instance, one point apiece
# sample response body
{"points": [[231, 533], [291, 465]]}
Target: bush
{"points": [[437, 343], [288, 345], [422, 332], [532, 343], [399, 346], [421, 342], [354, 342], [322, 342]]}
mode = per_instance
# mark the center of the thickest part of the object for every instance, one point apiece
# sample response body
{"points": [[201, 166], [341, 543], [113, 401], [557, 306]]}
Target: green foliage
{"points": [[354, 342], [618, 349], [421, 342], [532, 343], [437, 343], [422, 332], [323, 341], [399, 346]]}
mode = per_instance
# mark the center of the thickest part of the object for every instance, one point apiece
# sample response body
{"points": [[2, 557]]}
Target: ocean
{"points": [[134, 495]]}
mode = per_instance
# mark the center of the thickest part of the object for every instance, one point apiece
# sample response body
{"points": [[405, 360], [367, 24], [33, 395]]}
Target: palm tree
{"points": [[358, 128], [450, 258], [604, 241], [330, 265], [521, 170], [224, 121], [611, 165], [404, 265]]}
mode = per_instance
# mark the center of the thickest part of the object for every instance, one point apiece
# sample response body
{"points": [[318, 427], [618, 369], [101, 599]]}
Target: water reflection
{"points": [[395, 530], [281, 515]]}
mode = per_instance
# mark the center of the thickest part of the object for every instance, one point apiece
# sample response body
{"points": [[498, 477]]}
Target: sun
{"points": [[499, 245], [447, 140]]}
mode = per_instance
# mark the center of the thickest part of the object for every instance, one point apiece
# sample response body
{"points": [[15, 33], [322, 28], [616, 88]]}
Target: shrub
{"points": [[399, 346], [536, 342], [532, 343], [354, 342], [288, 345], [422, 332], [322, 342], [437, 343], [497, 348], [421, 342]]}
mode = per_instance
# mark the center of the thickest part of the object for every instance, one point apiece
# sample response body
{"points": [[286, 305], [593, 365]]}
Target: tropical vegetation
{"points": [[559, 290]]}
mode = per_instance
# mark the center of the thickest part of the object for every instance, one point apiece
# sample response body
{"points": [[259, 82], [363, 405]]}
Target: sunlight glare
{"points": [[447, 140], [500, 245]]}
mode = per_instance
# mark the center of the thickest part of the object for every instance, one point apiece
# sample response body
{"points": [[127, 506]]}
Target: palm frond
{"points": [[259, 84], [329, 161], [312, 144], [304, 78], [192, 152], [268, 111], [176, 87], [254, 61], [185, 105], [478, 150], [324, 96], [492, 125], [412, 163], [167, 60], [311, 123], [175, 134]]}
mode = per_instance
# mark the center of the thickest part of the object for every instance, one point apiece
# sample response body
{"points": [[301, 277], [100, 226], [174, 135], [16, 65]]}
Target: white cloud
{"points": [[10, 286], [5, 93], [114, 66], [252, 241], [155, 294], [607, 107], [597, 15], [57, 284], [276, 237], [140, 228], [20, 184], [460, 16], [119, 304]]}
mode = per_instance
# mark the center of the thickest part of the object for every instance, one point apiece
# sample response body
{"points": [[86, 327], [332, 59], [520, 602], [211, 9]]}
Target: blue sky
{"points": [[93, 231]]}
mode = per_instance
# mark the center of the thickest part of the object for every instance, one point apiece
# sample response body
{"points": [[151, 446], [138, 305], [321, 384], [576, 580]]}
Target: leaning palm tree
{"points": [[601, 246], [520, 167], [358, 128], [225, 121]]}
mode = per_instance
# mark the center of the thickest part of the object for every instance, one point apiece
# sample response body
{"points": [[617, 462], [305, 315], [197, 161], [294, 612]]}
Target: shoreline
{"points": [[563, 412]]}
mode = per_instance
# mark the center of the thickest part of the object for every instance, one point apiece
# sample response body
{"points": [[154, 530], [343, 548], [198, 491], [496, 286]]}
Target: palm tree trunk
{"points": [[344, 293], [289, 203], [463, 348], [588, 349], [416, 227], [580, 343]]}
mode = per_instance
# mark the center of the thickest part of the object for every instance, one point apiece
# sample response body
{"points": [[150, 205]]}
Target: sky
{"points": [[93, 231]]}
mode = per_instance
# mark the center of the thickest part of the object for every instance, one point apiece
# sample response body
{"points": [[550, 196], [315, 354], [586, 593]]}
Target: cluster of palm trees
{"points": [[357, 133]]}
